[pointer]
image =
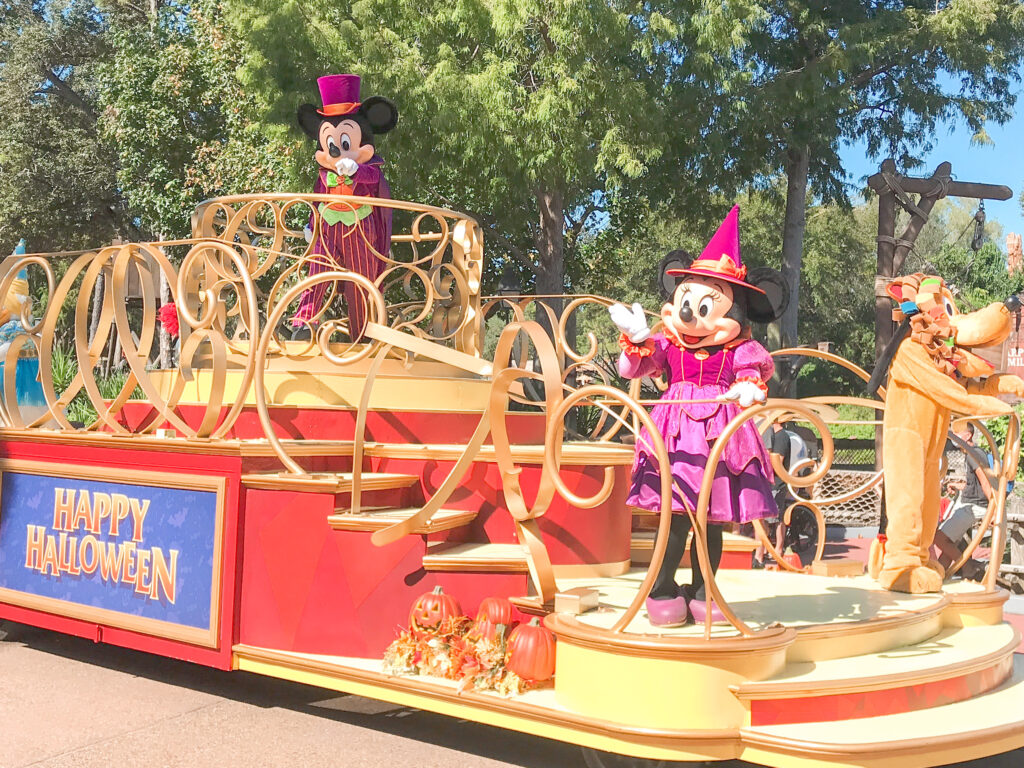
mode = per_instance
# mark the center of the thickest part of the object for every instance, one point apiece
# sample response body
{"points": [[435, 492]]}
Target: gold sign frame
{"points": [[206, 637]]}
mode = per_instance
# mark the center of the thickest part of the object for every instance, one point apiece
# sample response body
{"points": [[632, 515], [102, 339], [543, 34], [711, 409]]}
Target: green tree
{"points": [[119, 117], [836, 291], [886, 74], [57, 174], [182, 125], [534, 115]]}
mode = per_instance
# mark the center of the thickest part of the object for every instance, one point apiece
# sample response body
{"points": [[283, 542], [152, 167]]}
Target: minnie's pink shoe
{"points": [[699, 611], [667, 612]]}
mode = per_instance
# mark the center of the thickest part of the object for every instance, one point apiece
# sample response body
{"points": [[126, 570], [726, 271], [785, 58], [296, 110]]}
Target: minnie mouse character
{"points": [[715, 368], [353, 236]]}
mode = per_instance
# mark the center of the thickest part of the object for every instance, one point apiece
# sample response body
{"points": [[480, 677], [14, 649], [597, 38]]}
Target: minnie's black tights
{"points": [[665, 585]]}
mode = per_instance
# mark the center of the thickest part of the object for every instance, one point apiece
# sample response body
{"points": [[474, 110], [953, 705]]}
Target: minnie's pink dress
{"points": [[742, 488]]}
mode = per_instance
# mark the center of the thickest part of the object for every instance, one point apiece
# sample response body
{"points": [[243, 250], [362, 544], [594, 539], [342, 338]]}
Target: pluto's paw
{"points": [[935, 565], [915, 580]]}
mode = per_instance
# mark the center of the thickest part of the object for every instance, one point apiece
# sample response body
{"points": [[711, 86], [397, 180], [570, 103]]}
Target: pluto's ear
{"points": [[678, 259], [309, 120], [895, 291], [769, 306], [381, 113]]}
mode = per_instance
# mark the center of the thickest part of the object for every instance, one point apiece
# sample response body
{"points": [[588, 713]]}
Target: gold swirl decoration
{"points": [[432, 273], [1000, 475], [232, 283], [236, 280], [213, 284], [1003, 471]]}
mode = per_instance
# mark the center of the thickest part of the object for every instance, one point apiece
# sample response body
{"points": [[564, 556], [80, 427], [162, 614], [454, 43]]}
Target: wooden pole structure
{"points": [[894, 189]]}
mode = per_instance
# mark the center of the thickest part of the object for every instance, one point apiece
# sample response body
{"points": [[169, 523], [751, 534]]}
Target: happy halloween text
{"points": [[74, 549]]}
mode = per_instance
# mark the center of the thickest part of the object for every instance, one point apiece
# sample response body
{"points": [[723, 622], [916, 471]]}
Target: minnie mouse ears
{"points": [[668, 277], [765, 303], [768, 306]]}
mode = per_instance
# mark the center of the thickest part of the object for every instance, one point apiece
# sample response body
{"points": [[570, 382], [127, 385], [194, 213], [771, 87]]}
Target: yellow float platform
{"points": [[340, 478], [830, 654]]}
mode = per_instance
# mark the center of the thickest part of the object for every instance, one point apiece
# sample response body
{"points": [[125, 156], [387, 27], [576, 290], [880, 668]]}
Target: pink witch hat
{"points": [[721, 256], [339, 94]]}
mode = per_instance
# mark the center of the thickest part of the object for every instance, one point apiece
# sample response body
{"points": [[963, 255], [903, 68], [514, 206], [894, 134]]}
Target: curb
{"points": [[1014, 605], [838, 532]]}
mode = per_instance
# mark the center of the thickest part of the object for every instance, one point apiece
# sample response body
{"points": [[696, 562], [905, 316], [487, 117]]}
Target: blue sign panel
{"points": [[141, 551]]}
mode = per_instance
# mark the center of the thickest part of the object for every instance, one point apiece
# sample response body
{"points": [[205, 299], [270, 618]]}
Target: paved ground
{"points": [[68, 702]]}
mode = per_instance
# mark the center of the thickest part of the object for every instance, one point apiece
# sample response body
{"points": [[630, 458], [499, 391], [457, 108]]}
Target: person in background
{"points": [[977, 489], [790, 449], [954, 532]]}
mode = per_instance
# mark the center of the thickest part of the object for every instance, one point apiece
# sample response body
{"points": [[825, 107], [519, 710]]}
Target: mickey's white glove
{"points": [[347, 166], [631, 322], [307, 232], [746, 393]]}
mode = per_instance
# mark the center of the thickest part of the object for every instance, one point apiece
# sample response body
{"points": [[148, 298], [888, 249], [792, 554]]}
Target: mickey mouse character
{"points": [[706, 348], [355, 237]]}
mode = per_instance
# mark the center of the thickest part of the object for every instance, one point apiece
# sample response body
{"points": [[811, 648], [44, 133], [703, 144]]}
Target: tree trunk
{"points": [[551, 242], [550, 251], [97, 306], [797, 162]]}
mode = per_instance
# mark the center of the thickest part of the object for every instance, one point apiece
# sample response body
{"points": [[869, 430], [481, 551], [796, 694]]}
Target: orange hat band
{"points": [[333, 110], [724, 266]]}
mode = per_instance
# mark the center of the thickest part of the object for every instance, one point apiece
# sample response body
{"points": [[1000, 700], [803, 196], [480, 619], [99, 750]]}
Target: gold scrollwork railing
{"points": [[1001, 474], [233, 285], [213, 284], [431, 276], [629, 413], [240, 276]]}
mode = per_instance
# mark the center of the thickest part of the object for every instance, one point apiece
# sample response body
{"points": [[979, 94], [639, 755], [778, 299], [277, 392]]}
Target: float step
{"points": [[327, 482], [951, 666], [533, 605], [731, 542], [987, 724], [260, 447], [376, 518], [475, 556]]}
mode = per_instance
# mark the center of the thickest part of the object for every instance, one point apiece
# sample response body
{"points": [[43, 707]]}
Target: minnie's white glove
{"points": [[307, 232], [631, 322], [746, 393], [347, 166]]}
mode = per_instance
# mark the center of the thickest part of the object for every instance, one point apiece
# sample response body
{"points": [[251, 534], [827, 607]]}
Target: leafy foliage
{"points": [[178, 116], [57, 183], [531, 114], [884, 74], [588, 138]]}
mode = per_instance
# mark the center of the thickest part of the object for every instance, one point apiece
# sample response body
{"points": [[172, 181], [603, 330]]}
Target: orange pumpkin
{"points": [[432, 608], [493, 611], [531, 652]]}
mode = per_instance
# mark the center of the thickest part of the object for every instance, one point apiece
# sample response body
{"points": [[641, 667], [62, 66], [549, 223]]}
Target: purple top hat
{"points": [[339, 94]]}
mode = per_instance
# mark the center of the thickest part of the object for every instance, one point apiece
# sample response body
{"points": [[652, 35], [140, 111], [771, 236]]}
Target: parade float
{"points": [[435, 513]]}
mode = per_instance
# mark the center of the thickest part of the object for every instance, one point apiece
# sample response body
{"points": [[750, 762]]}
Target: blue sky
{"points": [[999, 163]]}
